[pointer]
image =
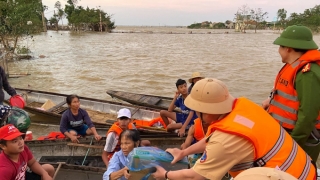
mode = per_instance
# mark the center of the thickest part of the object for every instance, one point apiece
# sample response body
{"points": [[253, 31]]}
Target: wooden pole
{"points": [[56, 173]]}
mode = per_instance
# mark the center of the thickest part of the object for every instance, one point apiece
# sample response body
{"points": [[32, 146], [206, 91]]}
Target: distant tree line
{"points": [[20, 19], [310, 18], [255, 18], [80, 18]]}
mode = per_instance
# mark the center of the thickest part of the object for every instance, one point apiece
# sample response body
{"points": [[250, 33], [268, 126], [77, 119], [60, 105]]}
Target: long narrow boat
{"points": [[152, 101], [64, 147], [83, 161], [99, 110]]}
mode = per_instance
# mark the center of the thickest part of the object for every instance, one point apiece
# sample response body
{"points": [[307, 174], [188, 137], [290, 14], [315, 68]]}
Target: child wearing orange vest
{"points": [[112, 142]]}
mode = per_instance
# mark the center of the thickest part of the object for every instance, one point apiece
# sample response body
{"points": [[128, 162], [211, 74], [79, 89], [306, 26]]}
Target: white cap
{"points": [[124, 112]]}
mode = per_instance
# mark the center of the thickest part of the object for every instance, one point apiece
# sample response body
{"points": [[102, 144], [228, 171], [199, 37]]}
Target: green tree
{"points": [[18, 18], [310, 17], [60, 14], [88, 19], [281, 16], [258, 16]]}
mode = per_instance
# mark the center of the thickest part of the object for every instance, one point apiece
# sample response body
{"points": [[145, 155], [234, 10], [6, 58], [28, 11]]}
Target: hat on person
{"points": [[124, 112], [210, 96], [195, 75], [264, 173], [9, 132], [298, 37]]}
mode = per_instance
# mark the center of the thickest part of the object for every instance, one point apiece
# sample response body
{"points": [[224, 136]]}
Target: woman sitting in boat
{"points": [[112, 142], [76, 121], [129, 139]]}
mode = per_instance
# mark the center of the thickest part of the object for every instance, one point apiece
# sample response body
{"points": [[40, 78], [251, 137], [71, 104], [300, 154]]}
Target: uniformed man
{"points": [[241, 135], [295, 100]]}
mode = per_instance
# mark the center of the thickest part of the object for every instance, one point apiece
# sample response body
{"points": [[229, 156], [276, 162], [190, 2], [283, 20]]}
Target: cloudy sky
{"points": [[183, 12]]}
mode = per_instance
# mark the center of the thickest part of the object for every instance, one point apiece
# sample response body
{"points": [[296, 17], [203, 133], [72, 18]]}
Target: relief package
{"points": [[141, 158]]}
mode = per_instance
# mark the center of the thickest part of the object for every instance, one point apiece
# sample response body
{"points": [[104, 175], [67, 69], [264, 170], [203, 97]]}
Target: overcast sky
{"points": [[183, 12]]}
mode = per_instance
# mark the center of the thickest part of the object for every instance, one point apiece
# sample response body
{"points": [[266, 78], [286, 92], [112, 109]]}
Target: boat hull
{"points": [[100, 111], [152, 101]]}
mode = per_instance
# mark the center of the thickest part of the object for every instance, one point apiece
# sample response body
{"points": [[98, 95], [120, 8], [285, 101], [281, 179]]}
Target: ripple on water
{"points": [[90, 63]]}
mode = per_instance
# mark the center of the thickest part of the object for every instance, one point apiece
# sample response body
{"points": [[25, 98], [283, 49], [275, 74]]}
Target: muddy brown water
{"points": [[88, 64]]}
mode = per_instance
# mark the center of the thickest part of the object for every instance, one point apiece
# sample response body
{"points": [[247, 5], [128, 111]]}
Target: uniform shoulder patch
{"points": [[306, 68]]}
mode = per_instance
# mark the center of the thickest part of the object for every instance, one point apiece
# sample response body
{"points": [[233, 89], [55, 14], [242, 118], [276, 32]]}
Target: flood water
{"points": [[88, 64]]}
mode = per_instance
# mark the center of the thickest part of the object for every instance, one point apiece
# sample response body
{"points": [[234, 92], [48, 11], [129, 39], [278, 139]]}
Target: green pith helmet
{"points": [[19, 118], [298, 37]]}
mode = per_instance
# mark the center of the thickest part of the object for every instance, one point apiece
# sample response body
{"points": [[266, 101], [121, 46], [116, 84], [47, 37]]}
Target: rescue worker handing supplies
{"points": [[236, 139]]}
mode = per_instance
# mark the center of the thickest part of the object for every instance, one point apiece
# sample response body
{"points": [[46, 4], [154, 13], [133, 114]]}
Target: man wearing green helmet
{"points": [[295, 100]]}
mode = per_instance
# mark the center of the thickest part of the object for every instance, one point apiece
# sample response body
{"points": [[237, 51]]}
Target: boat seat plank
{"points": [[149, 100], [56, 106], [85, 145], [34, 104], [134, 97], [139, 98]]}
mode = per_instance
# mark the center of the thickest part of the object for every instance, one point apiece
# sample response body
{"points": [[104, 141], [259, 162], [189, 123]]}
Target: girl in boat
{"points": [[117, 169], [76, 121]]}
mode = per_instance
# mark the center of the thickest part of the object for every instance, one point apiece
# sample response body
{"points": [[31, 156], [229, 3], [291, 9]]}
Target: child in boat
{"points": [[117, 168], [184, 119], [112, 142], [195, 134], [76, 121], [16, 157]]}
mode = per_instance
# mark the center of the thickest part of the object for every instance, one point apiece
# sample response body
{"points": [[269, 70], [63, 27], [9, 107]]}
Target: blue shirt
{"points": [[185, 110], [117, 162]]}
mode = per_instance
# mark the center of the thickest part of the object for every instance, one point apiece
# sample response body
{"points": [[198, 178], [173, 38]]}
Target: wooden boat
{"points": [[83, 161], [64, 147], [152, 101], [99, 110]]}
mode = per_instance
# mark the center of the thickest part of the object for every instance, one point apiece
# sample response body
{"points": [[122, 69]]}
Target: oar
{"points": [[87, 151], [56, 173]]}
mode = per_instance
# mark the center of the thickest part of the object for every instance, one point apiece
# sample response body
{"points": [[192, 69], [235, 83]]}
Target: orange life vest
{"points": [[117, 129], [273, 146], [140, 123], [52, 136], [198, 130], [284, 103]]}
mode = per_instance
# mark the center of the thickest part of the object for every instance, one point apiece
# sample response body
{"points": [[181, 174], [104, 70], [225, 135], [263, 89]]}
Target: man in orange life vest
{"points": [[112, 141], [241, 135], [295, 100], [196, 132]]}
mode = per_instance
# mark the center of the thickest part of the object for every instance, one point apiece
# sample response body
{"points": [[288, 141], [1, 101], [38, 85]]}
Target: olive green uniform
{"points": [[307, 85]]}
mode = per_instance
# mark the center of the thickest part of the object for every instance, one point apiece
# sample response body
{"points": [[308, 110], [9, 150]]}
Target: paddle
{"points": [[56, 173]]}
